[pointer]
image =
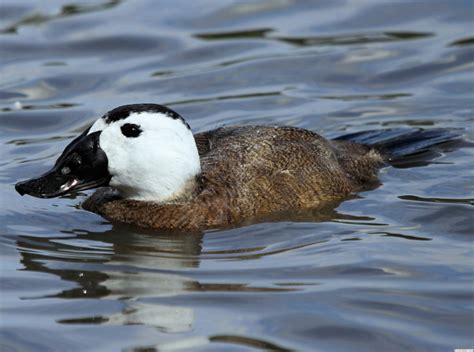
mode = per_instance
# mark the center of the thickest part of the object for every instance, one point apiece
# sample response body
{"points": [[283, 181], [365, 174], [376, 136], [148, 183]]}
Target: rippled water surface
{"points": [[389, 270]]}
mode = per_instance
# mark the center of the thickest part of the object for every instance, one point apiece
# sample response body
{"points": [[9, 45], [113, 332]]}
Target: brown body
{"points": [[249, 173]]}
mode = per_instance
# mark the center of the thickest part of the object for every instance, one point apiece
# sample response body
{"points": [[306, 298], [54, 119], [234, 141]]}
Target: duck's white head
{"points": [[146, 151], [151, 151]]}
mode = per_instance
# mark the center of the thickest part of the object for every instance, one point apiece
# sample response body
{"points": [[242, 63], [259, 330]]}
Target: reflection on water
{"points": [[389, 269], [121, 258], [135, 265]]}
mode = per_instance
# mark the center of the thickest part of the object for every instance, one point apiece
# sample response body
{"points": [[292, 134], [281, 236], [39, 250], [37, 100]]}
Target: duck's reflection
{"points": [[137, 266], [121, 264]]}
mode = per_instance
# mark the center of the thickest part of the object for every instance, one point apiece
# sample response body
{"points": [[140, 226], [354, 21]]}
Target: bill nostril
{"points": [[65, 170]]}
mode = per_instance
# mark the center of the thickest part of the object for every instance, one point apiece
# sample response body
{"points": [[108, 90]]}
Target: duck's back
{"points": [[265, 169], [249, 172]]}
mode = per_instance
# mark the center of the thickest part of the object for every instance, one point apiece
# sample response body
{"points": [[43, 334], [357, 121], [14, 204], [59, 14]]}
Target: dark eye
{"points": [[131, 130]]}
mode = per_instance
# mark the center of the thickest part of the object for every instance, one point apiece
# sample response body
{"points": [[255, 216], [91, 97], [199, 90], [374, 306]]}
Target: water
{"points": [[388, 270]]}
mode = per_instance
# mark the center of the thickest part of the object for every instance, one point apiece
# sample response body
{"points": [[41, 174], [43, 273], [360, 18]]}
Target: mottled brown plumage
{"points": [[252, 172]]}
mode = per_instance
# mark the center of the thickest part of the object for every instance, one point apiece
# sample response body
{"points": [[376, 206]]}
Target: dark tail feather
{"points": [[407, 147]]}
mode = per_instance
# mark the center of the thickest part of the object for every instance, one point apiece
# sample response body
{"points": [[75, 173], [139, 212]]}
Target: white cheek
{"points": [[112, 144], [128, 158]]}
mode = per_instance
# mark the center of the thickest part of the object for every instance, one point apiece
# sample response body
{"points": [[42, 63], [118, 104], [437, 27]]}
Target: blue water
{"points": [[389, 270]]}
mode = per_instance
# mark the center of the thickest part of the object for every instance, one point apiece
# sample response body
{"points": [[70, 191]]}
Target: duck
{"points": [[152, 171]]}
